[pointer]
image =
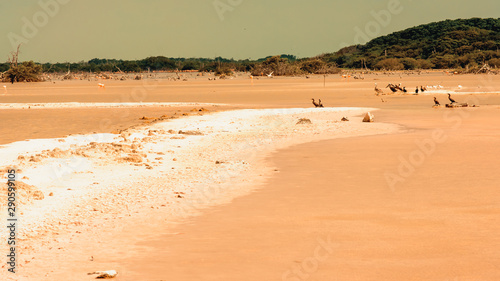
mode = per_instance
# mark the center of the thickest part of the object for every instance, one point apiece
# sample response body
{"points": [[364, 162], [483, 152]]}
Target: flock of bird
{"points": [[317, 104], [436, 102], [398, 88]]}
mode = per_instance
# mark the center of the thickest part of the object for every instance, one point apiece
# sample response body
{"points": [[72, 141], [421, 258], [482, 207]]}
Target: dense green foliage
{"points": [[445, 44], [159, 63]]}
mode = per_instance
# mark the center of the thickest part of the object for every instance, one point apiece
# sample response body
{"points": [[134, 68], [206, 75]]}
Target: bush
{"points": [[494, 62], [424, 64], [389, 64], [446, 61], [409, 63], [226, 71], [24, 72], [277, 66], [312, 66]]}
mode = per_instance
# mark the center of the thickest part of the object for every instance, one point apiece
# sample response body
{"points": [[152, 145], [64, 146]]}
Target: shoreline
{"points": [[114, 228], [323, 214], [238, 141]]}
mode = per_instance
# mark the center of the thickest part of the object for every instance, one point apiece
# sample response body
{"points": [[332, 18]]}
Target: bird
{"points": [[377, 90], [315, 103], [398, 87], [404, 89], [270, 75], [416, 90], [319, 103], [392, 87], [452, 100], [436, 102], [4, 89], [423, 89]]}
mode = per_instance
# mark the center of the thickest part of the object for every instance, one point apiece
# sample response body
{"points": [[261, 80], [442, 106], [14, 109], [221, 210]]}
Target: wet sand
{"points": [[328, 213]]}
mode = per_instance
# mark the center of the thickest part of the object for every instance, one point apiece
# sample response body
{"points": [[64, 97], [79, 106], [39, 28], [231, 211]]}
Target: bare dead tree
{"points": [[118, 68], [14, 57]]}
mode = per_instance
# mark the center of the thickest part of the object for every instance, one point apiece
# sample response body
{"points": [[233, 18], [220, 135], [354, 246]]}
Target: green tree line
{"points": [[449, 44]]}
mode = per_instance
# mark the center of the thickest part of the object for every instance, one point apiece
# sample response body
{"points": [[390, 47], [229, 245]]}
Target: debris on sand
{"points": [[304, 121], [37, 195], [199, 110], [193, 133], [368, 117], [26, 192], [104, 274], [455, 105], [345, 119], [134, 158]]}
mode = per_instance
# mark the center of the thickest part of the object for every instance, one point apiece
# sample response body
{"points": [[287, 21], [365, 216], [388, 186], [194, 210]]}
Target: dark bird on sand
{"points": [[436, 102], [315, 103], [452, 100], [393, 88]]}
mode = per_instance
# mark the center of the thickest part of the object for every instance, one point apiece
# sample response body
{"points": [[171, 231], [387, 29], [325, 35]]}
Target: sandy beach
{"points": [[215, 180]]}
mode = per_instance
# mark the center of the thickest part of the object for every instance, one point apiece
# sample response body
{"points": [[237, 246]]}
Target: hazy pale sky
{"points": [[76, 30]]}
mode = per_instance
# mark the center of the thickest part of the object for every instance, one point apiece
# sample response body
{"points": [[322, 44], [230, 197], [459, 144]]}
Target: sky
{"points": [[80, 30]]}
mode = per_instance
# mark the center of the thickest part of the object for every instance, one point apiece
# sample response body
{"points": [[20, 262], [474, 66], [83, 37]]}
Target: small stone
{"points": [[368, 117], [104, 274]]}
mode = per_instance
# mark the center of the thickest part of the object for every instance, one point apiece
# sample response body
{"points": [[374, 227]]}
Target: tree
{"points": [[24, 72]]}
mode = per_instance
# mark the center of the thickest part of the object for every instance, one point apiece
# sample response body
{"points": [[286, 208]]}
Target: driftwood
{"points": [[118, 69], [456, 105], [485, 69]]}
